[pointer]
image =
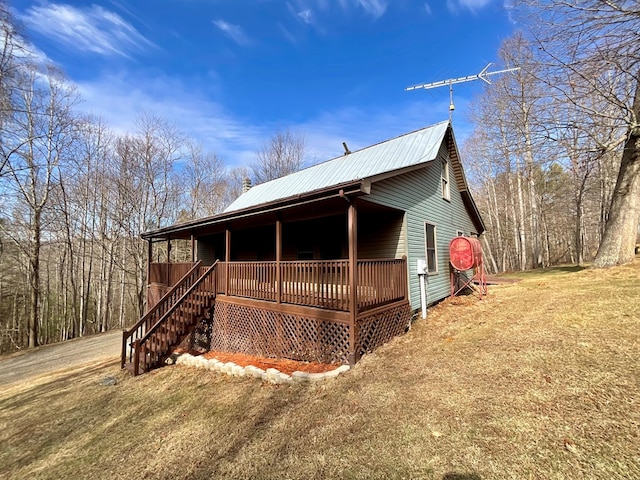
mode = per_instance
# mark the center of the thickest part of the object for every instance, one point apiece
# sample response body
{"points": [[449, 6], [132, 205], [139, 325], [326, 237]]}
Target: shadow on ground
{"points": [[461, 476]]}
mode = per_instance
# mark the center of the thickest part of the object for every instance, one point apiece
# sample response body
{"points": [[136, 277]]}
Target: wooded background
{"points": [[553, 163]]}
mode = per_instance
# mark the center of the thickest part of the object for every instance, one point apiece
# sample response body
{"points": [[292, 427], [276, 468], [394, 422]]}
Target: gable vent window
{"points": [[430, 244], [445, 181]]}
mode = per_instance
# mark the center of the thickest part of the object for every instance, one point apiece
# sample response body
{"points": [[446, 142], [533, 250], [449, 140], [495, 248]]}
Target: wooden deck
{"points": [[322, 284], [304, 310]]}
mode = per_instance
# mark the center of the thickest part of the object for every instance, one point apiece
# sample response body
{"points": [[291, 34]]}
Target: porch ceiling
{"points": [[320, 208]]}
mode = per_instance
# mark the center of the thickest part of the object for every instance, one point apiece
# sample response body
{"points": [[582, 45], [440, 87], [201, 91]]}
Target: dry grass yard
{"points": [[540, 380]]}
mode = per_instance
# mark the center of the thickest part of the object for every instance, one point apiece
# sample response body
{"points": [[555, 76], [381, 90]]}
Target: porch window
{"points": [[446, 194], [430, 243]]}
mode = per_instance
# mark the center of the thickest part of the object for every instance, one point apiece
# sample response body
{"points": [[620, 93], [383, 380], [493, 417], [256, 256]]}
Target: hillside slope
{"points": [[539, 380]]}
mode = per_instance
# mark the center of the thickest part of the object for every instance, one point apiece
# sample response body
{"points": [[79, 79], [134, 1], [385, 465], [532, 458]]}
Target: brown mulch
{"points": [[284, 365]]}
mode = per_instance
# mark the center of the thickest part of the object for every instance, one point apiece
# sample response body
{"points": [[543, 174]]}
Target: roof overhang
{"points": [[304, 200], [186, 229], [461, 181]]}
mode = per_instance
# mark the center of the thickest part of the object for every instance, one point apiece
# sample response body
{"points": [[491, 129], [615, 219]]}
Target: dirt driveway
{"points": [[24, 366]]}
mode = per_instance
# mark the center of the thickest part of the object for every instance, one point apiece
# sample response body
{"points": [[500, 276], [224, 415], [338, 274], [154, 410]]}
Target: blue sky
{"points": [[231, 73]]}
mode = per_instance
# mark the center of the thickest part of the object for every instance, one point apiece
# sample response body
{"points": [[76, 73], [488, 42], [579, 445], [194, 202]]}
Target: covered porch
{"points": [[295, 283]]}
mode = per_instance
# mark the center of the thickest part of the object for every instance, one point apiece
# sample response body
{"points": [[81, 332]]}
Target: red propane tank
{"points": [[465, 253]]}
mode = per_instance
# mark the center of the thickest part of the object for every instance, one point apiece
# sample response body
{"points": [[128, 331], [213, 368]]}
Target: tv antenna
{"points": [[483, 75]]}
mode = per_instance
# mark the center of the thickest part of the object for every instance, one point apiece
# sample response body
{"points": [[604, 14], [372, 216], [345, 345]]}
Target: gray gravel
{"points": [[60, 356]]}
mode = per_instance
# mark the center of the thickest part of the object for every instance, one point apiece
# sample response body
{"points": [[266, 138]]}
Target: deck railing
{"points": [[381, 282], [314, 283], [322, 284], [146, 344], [155, 313], [168, 273], [251, 279]]}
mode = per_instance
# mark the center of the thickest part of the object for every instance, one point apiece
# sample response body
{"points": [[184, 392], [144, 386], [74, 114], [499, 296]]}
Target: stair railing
{"points": [[156, 312], [151, 348]]}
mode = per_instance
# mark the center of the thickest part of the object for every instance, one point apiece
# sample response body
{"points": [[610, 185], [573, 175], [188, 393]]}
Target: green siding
{"points": [[419, 194], [381, 235]]}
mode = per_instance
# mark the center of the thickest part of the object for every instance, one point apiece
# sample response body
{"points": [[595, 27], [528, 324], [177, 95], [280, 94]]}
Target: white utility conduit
{"points": [[421, 268]]}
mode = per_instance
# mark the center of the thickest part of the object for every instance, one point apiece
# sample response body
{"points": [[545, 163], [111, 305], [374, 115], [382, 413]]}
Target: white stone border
{"points": [[271, 375]]}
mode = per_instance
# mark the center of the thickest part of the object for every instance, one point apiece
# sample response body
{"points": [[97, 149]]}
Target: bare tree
{"points": [[10, 46], [202, 182], [596, 40], [41, 129], [234, 184], [507, 115], [147, 191], [281, 155]]}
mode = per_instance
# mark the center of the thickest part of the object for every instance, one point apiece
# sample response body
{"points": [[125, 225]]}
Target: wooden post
{"points": [[123, 353], [227, 258], [278, 260], [405, 277], [193, 248], [136, 358], [352, 225], [168, 282], [149, 259]]}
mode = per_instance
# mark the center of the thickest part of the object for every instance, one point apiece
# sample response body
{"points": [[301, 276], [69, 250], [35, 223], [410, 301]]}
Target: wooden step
{"points": [[129, 368], [177, 326]]}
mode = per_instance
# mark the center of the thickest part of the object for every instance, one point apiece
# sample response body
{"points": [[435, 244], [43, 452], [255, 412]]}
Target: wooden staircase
{"points": [[149, 342]]}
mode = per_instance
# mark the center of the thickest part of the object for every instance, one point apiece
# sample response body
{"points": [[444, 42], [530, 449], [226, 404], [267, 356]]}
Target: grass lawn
{"points": [[539, 380]]}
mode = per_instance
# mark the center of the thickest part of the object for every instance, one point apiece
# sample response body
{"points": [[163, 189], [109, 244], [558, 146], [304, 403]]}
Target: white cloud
{"points": [[375, 8], [91, 29], [120, 98], [303, 8], [427, 8], [473, 5], [234, 32], [287, 34], [306, 16]]}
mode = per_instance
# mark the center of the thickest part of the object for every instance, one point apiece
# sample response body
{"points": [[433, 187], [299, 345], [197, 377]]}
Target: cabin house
{"points": [[320, 265]]}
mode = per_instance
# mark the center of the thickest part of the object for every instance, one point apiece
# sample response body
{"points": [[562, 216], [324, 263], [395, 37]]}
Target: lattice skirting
{"points": [[378, 328], [267, 333], [270, 333]]}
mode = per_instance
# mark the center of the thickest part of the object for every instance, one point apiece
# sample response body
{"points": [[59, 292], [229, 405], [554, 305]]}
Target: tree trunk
{"points": [[619, 240], [578, 229], [34, 281]]}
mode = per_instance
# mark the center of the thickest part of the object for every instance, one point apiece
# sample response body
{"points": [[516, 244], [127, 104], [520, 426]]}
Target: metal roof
{"points": [[407, 150]]}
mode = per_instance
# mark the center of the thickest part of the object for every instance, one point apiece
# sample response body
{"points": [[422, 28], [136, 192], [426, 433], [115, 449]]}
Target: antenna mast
{"points": [[483, 75]]}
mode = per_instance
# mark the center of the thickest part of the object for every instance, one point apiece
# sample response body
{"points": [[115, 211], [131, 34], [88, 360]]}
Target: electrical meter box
{"points": [[421, 266]]}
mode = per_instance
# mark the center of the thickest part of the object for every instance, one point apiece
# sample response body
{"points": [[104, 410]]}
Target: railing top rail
{"points": [[157, 306], [249, 262], [174, 263], [319, 262], [339, 260], [382, 260], [173, 307]]}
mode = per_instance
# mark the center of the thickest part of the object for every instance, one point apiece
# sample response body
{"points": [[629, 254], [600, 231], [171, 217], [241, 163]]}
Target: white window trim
{"points": [[435, 248], [444, 181]]}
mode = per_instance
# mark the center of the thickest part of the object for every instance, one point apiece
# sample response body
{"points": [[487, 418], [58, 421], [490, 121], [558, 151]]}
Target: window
{"points": [[445, 180], [430, 243]]}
